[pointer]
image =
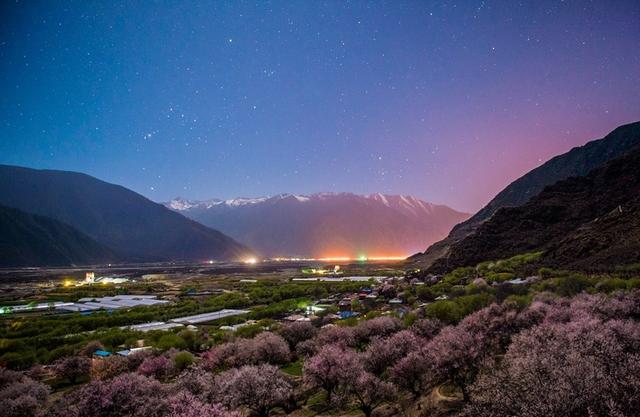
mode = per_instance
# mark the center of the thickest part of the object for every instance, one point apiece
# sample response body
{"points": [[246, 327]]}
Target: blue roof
{"points": [[102, 353], [347, 314]]}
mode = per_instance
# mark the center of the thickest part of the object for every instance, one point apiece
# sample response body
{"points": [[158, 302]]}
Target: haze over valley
{"points": [[320, 208], [326, 225]]}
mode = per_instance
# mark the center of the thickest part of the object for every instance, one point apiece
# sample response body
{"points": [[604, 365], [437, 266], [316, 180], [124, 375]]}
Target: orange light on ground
{"points": [[386, 258], [361, 258], [342, 259], [335, 259]]}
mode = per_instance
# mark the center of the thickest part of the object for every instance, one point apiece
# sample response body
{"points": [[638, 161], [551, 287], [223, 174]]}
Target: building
{"points": [[206, 317], [90, 279], [110, 303]]}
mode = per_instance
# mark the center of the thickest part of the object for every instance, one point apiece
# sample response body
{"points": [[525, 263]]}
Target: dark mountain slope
{"points": [[32, 240], [590, 222], [327, 224], [124, 221], [577, 162]]}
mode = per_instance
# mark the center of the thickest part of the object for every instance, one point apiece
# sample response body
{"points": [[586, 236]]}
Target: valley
{"points": [[320, 208], [423, 335], [326, 224], [200, 313]]}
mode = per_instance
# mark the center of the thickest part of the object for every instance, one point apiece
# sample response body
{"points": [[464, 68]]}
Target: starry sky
{"points": [[447, 101]]}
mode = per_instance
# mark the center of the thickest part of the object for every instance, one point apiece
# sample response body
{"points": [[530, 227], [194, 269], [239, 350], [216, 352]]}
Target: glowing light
{"points": [[251, 261], [67, 283], [386, 258], [362, 258], [336, 259]]}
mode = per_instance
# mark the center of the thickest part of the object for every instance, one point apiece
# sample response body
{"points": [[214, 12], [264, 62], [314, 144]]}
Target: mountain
{"points": [[590, 222], [577, 162], [132, 226], [31, 240], [326, 224]]}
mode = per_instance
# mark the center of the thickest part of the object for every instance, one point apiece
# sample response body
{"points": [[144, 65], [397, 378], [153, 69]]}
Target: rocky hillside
{"points": [[590, 222], [577, 162]]}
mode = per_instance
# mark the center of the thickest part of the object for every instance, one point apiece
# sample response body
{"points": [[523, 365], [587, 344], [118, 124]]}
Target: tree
{"points": [[379, 326], [72, 368], [220, 357], [266, 347], [577, 368], [182, 360], [128, 395], [331, 369], [384, 352], [444, 310], [456, 355], [110, 367], [184, 404], [370, 392], [171, 340], [135, 359], [260, 388], [307, 348], [21, 396], [199, 383], [270, 348], [297, 332], [617, 306], [427, 328], [89, 349], [336, 335], [459, 353], [410, 372], [159, 367]]}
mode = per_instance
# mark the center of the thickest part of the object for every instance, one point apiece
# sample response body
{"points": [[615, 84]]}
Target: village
{"points": [[142, 306], [278, 323]]}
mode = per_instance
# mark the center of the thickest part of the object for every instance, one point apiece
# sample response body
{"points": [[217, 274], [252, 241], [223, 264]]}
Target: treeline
{"points": [[31, 338], [557, 356]]}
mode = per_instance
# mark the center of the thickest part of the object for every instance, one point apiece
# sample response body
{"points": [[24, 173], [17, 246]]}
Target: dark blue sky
{"points": [[446, 101]]}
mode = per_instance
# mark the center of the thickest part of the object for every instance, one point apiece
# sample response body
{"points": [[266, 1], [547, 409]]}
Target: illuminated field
{"points": [[361, 258]]}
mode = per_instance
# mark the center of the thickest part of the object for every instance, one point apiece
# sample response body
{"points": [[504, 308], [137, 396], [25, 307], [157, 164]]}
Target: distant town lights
{"points": [[343, 258]]}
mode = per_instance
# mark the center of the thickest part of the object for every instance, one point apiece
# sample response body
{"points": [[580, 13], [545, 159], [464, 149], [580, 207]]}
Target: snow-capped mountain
{"points": [[179, 204], [326, 224]]}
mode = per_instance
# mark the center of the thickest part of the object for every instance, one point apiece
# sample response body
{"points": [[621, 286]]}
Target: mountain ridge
{"points": [[578, 161], [589, 222], [126, 222], [32, 240], [325, 223]]}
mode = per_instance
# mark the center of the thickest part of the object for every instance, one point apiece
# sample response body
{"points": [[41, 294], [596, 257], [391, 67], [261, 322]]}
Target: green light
{"points": [[362, 258]]}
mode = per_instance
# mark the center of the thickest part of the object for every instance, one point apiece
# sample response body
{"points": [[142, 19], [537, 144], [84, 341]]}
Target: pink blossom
{"points": [[260, 388], [331, 369], [159, 367], [72, 367]]}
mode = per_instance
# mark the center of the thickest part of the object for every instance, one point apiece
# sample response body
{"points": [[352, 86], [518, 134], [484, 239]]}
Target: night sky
{"points": [[445, 101]]}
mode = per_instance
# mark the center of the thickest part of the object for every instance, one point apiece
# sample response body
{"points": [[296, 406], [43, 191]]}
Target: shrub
{"points": [[182, 361]]}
